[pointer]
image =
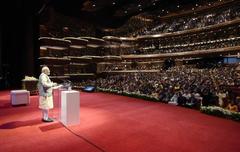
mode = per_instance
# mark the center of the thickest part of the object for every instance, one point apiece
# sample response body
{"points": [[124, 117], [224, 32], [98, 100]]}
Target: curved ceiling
{"points": [[111, 12]]}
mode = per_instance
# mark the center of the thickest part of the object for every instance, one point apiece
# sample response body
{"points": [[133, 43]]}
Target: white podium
{"points": [[56, 113], [70, 107]]}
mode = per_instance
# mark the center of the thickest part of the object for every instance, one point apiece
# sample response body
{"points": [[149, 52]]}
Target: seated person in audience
{"points": [[199, 98], [161, 95], [168, 96], [206, 98], [232, 107], [174, 99], [192, 101], [181, 100], [221, 97], [187, 95], [238, 102]]}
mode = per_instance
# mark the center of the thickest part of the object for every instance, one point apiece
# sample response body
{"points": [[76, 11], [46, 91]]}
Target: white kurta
{"points": [[46, 102]]}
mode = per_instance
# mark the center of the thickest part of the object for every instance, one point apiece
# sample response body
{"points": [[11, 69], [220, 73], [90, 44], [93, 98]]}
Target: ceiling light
{"points": [[113, 3], [125, 12], [178, 6], [93, 5], [154, 3]]}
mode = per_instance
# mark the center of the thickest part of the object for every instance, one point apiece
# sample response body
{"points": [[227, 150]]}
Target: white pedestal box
{"points": [[56, 113], [19, 97], [70, 107]]}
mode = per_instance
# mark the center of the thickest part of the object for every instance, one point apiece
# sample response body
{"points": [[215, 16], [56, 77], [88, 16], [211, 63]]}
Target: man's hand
{"points": [[54, 84]]}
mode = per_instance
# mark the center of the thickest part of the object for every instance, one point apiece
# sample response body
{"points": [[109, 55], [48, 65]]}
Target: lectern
{"points": [[70, 107]]}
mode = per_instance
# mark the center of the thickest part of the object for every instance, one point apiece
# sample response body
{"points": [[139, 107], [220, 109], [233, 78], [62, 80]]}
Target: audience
{"points": [[202, 41], [184, 85], [144, 24]]}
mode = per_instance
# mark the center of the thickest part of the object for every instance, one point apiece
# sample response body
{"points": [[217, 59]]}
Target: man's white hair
{"points": [[45, 68]]}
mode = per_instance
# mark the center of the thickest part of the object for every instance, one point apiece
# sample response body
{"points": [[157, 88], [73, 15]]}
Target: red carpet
{"points": [[114, 123]]}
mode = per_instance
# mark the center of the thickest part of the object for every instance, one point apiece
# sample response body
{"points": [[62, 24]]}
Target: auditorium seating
{"points": [[136, 63]]}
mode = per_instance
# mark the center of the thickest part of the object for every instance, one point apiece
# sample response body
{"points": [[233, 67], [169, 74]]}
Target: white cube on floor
{"points": [[19, 97], [70, 107]]}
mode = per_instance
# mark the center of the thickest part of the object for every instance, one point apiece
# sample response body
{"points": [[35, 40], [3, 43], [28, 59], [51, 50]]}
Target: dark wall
{"points": [[19, 32], [0, 50], [1, 74]]}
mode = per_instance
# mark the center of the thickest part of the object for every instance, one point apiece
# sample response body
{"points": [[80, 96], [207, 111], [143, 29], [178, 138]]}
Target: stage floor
{"points": [[113, 123]]}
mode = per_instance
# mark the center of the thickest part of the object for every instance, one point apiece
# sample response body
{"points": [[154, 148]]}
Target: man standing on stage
{"points": [[45, 93]]}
